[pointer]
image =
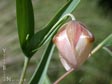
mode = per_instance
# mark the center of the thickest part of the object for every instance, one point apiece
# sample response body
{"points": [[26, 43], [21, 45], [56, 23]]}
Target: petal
{"points": [[74, 43], [73, 32], [65, 63], [65, 49], [83, 48]]}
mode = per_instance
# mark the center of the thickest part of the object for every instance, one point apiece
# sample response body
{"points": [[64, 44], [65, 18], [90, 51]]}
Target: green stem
{"points": [[26, 62], [101, 44]]}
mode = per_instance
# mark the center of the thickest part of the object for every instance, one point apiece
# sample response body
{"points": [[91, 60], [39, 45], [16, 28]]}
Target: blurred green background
{"points": [[96, 70]]}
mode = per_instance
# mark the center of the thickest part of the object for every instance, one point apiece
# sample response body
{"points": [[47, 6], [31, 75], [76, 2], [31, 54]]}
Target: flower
{"points": [[74, 43]]}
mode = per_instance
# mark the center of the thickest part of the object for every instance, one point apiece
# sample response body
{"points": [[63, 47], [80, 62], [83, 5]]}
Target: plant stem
{"points": [[101, 45], [26, 62], [63, 76]]}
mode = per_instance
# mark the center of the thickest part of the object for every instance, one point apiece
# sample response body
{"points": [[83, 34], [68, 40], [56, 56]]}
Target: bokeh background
{"points": [[96, 70]]}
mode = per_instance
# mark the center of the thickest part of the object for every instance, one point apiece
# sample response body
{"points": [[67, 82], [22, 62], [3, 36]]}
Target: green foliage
{"points": [[41, 36], [106, 42], [41, 70], [25, 23], [30, 41]]}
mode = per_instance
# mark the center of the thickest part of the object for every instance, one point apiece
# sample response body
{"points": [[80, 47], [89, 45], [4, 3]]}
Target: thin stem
{"points": [[26, 62], [63, 76], [101, 44], [72, 17]]}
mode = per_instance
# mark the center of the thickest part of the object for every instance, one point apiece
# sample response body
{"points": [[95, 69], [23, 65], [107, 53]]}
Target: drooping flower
{"points": [[74, 43]]}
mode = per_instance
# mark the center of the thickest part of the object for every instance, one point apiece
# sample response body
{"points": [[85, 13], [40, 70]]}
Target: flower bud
{"points": [[74, 43]]}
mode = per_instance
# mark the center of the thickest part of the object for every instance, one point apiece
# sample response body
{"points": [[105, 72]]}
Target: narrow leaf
{"points": [[106, 42], [40, 72], [38, 38], [25, 22]]}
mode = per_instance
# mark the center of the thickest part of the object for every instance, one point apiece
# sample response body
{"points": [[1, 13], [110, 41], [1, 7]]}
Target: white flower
{"points": [[74, 43]]}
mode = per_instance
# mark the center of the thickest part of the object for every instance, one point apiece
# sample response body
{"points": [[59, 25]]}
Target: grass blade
{"points": [[37, 39], [25, 22], [106, 42], [40, 72]]}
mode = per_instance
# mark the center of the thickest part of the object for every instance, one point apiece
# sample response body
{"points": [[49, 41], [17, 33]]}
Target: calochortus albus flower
{"points": [[74, 43]]}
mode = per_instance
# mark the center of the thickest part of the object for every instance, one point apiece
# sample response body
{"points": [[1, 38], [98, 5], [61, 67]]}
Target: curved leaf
{"points": [[37, 39]]}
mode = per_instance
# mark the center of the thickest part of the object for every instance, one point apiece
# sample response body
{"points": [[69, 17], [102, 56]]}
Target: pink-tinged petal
{"points": [[74, 43], [87, 33], [66, 51], [83, 48], [73, 32], [65, 63]]}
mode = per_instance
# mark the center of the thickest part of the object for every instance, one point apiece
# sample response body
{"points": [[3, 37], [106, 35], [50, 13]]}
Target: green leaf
{"points": [[39, 38], [25, 22], [106, 42], [40, 72]]}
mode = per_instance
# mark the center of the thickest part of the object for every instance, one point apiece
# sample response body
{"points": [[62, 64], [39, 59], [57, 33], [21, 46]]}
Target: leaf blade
{"points": [[25, 22], [40, 72], [106, 42], [35, 42]]}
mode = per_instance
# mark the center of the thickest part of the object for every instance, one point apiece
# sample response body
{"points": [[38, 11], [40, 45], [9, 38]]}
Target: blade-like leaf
{"points": [[25, 22], [38, 38], [106, 42], [40, 72]]}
